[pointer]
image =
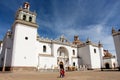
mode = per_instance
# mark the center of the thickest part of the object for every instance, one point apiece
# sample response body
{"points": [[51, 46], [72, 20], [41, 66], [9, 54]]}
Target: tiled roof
{"points": [[107, 54]]}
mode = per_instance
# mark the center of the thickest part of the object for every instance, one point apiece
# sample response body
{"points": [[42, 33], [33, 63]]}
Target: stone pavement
{"points": [[78, 75]]}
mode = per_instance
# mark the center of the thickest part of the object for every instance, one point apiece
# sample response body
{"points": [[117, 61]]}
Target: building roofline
{"points": [[55, 42]]}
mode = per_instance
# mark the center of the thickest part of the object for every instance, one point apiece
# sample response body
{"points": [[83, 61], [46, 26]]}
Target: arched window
{"points": [[44, 48], [73, 63], [24, 17], [73, 52], [30, 19], [94, 50]]}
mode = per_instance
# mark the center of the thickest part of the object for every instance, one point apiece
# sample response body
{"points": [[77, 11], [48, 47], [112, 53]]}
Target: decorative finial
{"points": [[99, 44], [62, 38], [88, 41], [9, 33], [26, 5], [113, 30], [76, 38]]}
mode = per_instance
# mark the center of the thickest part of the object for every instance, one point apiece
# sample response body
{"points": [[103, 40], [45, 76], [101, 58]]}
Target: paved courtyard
{"points": [[78, 75]]}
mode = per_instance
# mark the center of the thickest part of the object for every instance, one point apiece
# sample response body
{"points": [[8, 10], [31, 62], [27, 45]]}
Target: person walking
{"points": [[62, 72]]}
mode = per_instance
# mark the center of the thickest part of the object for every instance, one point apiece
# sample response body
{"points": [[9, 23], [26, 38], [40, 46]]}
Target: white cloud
{"points": [[65, 22], [96, 33]]}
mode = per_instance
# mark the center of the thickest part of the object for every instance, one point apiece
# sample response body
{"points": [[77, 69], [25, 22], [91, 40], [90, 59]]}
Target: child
{"points": [[62, 73]]}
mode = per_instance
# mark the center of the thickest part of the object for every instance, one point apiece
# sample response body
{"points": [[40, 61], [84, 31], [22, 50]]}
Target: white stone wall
{"points": [[88, 57], [111, 62], [101, 52], [47, 62], [76, 62], [95, 57], [24, 51], [6, 52], [50, 61], [117, 47], [39, 47], [84, 54], [74, 58]]}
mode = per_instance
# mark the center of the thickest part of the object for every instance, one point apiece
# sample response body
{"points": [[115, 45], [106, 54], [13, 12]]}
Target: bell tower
{"points": [[24, 32], [25, 16], [116, 38]]}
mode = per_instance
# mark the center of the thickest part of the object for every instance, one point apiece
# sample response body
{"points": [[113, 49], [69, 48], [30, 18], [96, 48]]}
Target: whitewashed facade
{"points": [[24, 49], [116, 38], [91, 55], [110, 63], [109, 60]]}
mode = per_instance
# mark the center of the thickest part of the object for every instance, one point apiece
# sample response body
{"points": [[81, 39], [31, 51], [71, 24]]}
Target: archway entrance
{"points": [[61, 65], [107, 66], [62, 56]]}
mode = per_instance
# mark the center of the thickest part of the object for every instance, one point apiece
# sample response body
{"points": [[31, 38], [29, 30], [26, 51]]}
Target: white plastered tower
{"points": [[24, 38], [116, 38]]}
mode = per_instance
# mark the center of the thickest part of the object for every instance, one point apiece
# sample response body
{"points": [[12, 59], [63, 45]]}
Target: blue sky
{"points": [[86, 18]]}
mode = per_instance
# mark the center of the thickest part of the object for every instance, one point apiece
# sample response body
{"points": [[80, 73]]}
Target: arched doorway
{"points": [[62, 56], [107, 66], [61, 65]]}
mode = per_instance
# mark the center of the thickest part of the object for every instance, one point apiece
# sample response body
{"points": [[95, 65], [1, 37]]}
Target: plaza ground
{"points": [[76, 75]]}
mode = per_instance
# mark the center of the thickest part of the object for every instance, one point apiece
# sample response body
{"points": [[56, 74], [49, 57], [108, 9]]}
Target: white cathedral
{"points": [[23, 49]]}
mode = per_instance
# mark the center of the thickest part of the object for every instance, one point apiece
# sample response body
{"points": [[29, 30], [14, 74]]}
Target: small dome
{"points": [[26, 2]]}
